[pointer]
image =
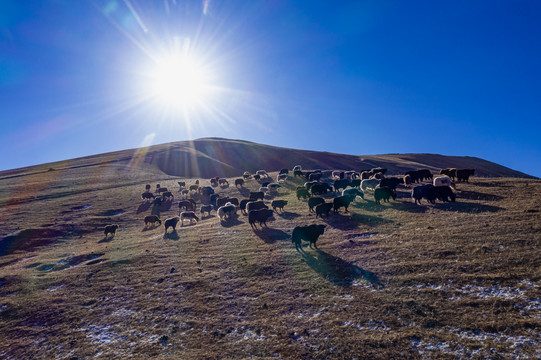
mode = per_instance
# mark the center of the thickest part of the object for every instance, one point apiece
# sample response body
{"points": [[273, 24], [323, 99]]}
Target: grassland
{"points": [[397, 280]]}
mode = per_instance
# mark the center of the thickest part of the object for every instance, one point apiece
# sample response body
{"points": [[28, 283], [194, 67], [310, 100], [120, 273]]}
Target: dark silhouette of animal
{"points": [[205, 209], [265, 183], [239, 182], [257, 177], [314, 201], [222, 201], [281, 178], [194, 187], [356, 183], [255, 205], [315, 176], [278, 204], [425, 174], [407, 180], [320, 188], [308, 185], [188, 215], [422, 192], [451, 172], [284, 171], [234, 201], [384, 193], [302, 193], [213, 199], [390, 182], [171, 222], [442, 193], [298, 173], [261, 216], [257, 195], [187, 205], [157, 201], [147, 196], [147, 187], [342, 201], [246, 175], [464, 174], [223, 182], [110, 229], [324, 208], [206, 191], [162, 190], [151, 220], [341, 184], [378, 170], [168, 195], [308, 233], [242, 205], [297, 168], [182, 184]]}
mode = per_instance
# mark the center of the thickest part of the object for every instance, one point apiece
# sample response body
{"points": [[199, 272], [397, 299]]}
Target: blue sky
{"points": [[360, 77]]}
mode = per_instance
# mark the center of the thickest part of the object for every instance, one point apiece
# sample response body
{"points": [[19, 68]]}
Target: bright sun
{"points": [[179, 82]]}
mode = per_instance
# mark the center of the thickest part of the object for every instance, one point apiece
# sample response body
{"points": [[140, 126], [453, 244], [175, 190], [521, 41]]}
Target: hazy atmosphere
{"points": [[360, 77]]}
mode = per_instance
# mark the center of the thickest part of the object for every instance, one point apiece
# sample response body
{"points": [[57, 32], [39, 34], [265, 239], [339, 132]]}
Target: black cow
{"points": [[205, 209], [278, 204], [110, 229], [261, 216], [147, 196], [302, 192], [422, 191], [206, 191], [186, 205], [308, 233], [442, 193], [242, 205], [222, 201], [384, 193], [255, 205], [341, 184], [464, 174], [284, 171], [342, 201], [315, 201], [391, 182], [298, 173], [257, 195], [239, 182], [171, 222], [324, 208], [320, 188]]}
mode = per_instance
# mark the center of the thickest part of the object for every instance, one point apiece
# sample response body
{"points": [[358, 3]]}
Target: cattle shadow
{"points": [[173, 235], [231, 222], [270, 235], [166, 205], [287, 215], [409, 206], [244, 192], [106, 239], [465, 207], [475, 195], [148, 228], [144, 207], [351, 221], [336, 270]]}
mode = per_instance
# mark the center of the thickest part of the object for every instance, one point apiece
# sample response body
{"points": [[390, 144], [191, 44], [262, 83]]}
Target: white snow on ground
{"points": [[376, 325]]}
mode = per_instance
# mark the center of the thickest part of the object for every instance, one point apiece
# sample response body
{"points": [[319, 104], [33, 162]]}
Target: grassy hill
{"points": [[396, 280], [211, 157]]}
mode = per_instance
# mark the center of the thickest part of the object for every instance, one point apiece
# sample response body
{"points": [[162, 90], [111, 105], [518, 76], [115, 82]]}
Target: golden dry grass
{"points": [[388, 281]]}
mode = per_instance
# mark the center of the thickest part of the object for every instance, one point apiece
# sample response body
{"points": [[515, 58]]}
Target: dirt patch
{"points": [[111, 212]]}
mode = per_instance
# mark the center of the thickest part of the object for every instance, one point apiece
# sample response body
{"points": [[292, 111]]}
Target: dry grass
{"points": [[389, 281]]}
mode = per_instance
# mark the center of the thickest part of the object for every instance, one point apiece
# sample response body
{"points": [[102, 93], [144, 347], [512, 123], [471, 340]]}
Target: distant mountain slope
{"points": [[210, 157]]}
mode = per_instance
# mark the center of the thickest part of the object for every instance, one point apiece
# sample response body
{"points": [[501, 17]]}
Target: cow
{"points": [[369, 184], [151, 220], [302, 192], [314, 201], [384, 193], [341, 184], [255, 205], [308, 233], [205, 209], [353, 192], [442, 193], [442, 181], [242, 205], [188, 215], [171, 222], [261, 216], [324, 208], [239, 182], [110, 230], [391, 182], [279, 204], [464, 174], [147, 196], [342, 201], [320, 188], [186, 205], [451, 172], [227, 211], [422, 191], [257, 195]]}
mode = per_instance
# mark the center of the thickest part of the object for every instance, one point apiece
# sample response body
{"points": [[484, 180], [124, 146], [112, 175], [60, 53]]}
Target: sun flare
{"points": [[180, 82]]}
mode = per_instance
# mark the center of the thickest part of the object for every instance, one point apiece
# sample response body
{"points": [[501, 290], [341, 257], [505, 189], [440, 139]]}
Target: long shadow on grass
{"points": [[269, 235], [173, 235], [475, 195], [231, 222], [467, 207], [352, 221], [336, 270], [144, 207], [287, 215], [148, 228]]}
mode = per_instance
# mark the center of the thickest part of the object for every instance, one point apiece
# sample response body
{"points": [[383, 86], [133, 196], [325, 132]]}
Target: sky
{"points": [[363, 77]]}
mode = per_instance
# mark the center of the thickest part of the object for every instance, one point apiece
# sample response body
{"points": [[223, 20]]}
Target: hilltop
{"points": [[209, 157]]}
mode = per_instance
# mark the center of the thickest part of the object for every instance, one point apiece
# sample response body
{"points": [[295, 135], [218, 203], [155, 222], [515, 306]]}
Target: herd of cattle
{"points": [[346, 185]]}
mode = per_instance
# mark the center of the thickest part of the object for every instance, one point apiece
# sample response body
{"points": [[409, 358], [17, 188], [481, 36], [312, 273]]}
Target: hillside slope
{"points": [[210, 157]]}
